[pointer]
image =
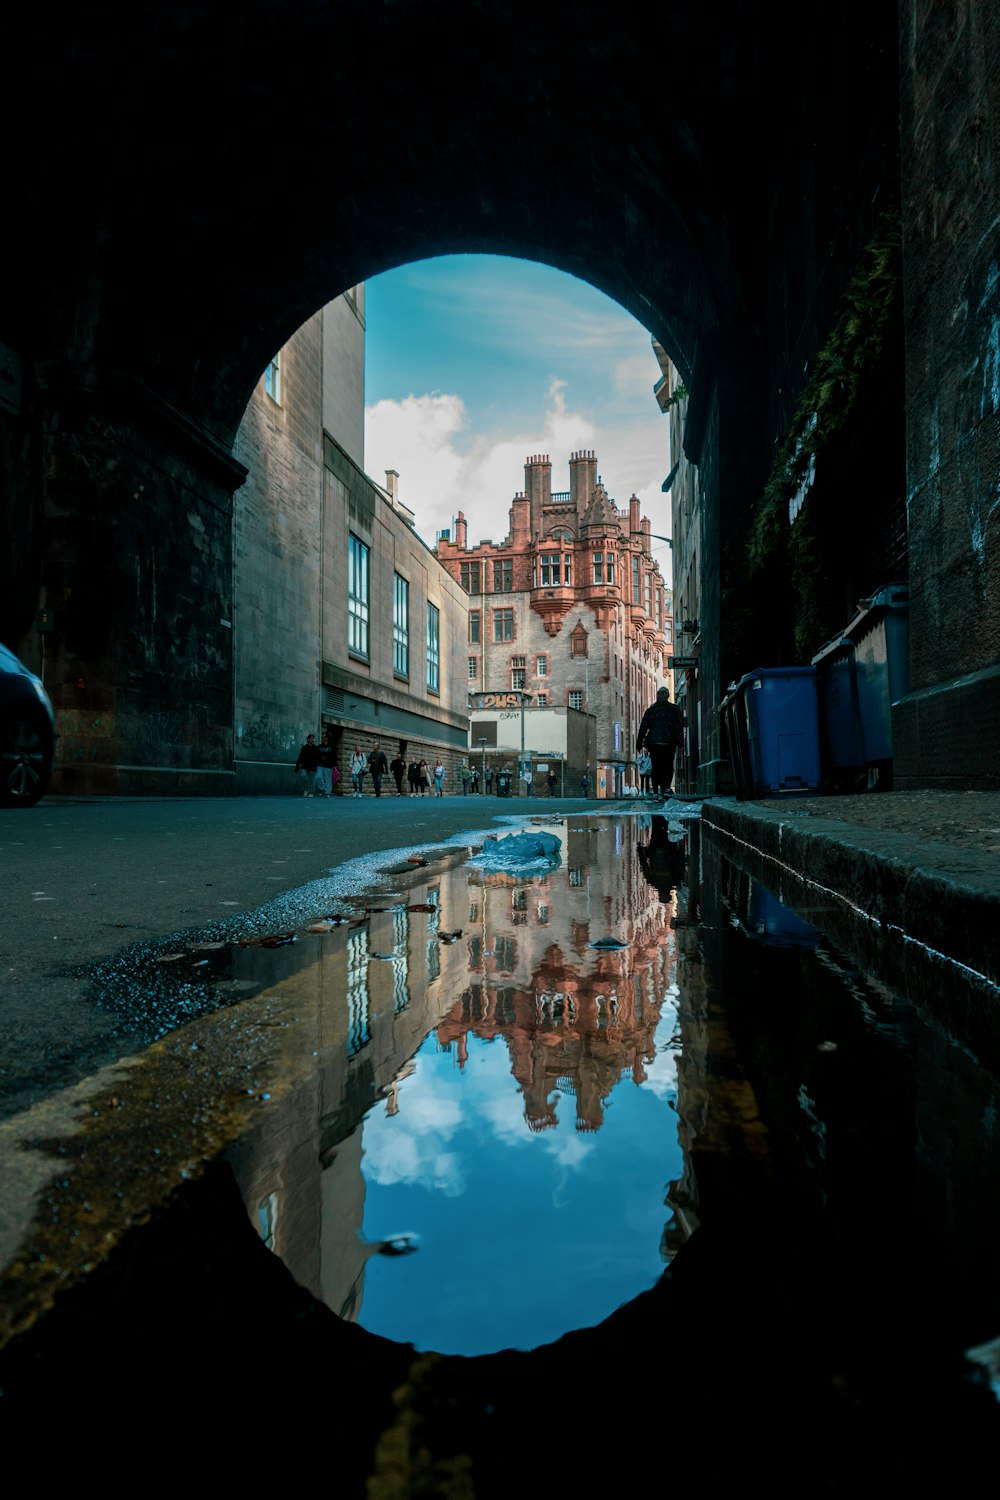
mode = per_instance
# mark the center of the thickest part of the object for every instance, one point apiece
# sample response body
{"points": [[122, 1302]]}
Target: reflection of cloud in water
{"points": [[568, 1148], [569, 1151], [417, 1160], [505, 1114], [410, 1146]]}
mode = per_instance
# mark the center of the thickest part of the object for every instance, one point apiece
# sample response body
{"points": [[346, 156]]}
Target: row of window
{"points": [[518, 681], [472, 574], [555, 570], [358, 585]]}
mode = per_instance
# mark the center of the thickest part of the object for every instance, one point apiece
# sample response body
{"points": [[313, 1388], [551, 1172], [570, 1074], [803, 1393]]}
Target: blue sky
{"points": [[474, 362]]}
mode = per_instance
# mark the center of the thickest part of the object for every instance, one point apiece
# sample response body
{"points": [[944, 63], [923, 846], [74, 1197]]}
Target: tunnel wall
{"points": [[946, 730]]}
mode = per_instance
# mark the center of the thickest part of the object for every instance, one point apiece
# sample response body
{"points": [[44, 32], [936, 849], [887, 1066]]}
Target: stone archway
{"points": [[213, 174]]}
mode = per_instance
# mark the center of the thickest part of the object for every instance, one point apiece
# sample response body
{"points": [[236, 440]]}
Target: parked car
{"points": [[27, 734]]}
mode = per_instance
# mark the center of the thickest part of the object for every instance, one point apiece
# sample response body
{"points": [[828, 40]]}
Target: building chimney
{"points": [[582, 479], [538, 487], [634, 525], [392, 484], [520, 520], [461, 533]]}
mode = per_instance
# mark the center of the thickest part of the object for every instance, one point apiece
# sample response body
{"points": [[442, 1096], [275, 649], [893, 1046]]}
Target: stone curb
{"points": [[946, 898]]}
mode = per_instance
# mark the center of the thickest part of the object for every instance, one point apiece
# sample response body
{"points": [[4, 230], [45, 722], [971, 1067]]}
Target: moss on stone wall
{"points": [[799, 568]]}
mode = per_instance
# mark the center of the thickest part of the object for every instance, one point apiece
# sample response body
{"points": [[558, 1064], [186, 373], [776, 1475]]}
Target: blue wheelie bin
{"points": [[733, 716], [880, 632], [841, 740], [782, 730]]}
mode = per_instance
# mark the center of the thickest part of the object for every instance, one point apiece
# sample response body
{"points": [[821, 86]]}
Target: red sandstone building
{"points": [[571, 607]]}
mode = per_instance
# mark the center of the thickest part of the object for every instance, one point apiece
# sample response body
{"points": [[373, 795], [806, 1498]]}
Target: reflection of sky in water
{"points": [[522, 1236]]}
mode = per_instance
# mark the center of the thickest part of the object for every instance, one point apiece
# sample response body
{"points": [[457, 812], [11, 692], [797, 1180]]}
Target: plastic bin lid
{"points": [[775, 672], [839, 643]]}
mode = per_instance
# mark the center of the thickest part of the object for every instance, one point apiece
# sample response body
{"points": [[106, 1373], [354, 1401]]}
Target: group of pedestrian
{"points": [[316, 766], [317, 771], [417, 777], [660, 736]]}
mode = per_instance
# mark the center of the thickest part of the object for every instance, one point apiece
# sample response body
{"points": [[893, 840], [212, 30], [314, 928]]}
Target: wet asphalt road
{"points": [[85, 879]]}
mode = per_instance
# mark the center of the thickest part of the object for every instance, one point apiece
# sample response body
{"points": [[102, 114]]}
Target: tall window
{"points": [[433, 648], [272, 378], [471, 578], [611, 567], [550, 573], [568, 567], [503, 624], [636, 596], [576, 700], [598, 567], [473, 668], [357, 596], [503, 575], [541, 666], [517, 678], [400, 626], [648, 601], [474, 626]]}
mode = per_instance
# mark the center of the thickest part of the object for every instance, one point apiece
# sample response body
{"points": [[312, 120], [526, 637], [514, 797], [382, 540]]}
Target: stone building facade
{"points": [[571, 607], [342, 616]]}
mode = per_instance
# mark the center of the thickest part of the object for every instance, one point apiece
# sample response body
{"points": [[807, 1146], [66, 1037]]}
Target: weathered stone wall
{"points": [[946, 731], [277, 537], [136, 571]]}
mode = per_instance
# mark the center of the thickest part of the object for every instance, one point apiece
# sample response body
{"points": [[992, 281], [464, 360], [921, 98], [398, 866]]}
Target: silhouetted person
{"points": [[661, 730], [662, 859]]}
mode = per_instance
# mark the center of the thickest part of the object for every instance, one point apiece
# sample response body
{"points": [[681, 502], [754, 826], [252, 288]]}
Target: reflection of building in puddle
{"points": [[574, 1020], [371, 993]]}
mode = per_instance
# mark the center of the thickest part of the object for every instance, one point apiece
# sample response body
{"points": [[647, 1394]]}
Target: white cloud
{"points": [[444, 468]]}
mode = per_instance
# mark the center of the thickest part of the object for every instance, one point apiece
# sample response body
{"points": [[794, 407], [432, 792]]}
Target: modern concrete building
{"points": [[570, 607], [342, 616]]}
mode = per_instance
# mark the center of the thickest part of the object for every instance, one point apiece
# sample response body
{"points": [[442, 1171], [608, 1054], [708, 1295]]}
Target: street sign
{"points": [[680, 663]]}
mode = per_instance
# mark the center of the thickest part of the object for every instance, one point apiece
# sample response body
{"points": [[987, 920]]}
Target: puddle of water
{"points": [[504, 1096], [466, 1118]]}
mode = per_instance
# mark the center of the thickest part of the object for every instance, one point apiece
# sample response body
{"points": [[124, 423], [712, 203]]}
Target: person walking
{"points": [[378, 766], [489, 781], [358, 768], [553, 783], [423, 778], [644, 765], [527, 781], [398, 768], [585, 784], [661, 732], [413, 776], [325, 768], [439, 779], [306, 765], [464, 773]]}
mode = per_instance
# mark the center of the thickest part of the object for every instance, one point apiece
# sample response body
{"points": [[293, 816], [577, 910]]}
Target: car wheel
{"points": [[25, 758]]}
